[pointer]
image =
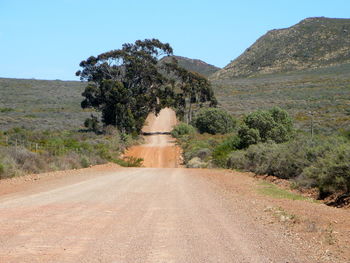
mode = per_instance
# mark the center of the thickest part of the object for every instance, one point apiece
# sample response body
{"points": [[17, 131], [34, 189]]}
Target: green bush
{"points": [[41, 151], [248, 136], [331, 173], [182, 129], [262, 126], [214, 121], [199, 145], [223, 149], [92, 124], [286, 160], [6, 110], [85, 162]]}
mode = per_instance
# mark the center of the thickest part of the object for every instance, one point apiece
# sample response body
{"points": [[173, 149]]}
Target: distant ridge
{"points": [[195, 65], [312, 43]]}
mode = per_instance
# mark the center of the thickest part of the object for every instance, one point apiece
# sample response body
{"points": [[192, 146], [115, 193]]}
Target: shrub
{"points": [[248, 136], [261, 126], [196, 162], [194, 149], [199, 145], [237, 160], [182, 129], [42, 151], [331, 172], [287, 160], [257, 158], [92, 124], [214, 121], [85, 162], [203, 154], [223, 149]]}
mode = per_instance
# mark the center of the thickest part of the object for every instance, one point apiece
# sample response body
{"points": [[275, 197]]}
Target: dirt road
{"points": [[159, 150], [112, 214]]}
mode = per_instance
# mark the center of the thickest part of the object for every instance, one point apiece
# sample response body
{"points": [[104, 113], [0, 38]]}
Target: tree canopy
{"points": [[126, 84], [261, 126], [214, 121]]}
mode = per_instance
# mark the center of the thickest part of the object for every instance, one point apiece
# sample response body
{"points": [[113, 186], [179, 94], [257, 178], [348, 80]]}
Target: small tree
{"points": [[261, 126], [332, 171], [213, 121]]}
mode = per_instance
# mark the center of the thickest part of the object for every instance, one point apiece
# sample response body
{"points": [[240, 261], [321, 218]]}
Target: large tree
{"points": [[127, 84], [190, 88]]}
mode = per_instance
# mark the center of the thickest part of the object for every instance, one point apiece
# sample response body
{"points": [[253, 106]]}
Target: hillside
{"points": [[322, 91], [41, 104], [195, 65], [312, 43]]}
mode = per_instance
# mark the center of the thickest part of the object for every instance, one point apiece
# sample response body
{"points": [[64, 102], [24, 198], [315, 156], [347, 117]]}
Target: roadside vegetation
{"points": [[25, 151], [119, 89], [264, 142], [316, 96], [41, 104]]}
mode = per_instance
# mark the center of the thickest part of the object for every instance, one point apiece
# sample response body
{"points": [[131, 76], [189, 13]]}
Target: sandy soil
{"points": [[159, 150], [113, 214]]}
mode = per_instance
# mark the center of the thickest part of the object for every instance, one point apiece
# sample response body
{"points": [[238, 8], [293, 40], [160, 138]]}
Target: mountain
{"points": [[312, 43], [195, 65]]}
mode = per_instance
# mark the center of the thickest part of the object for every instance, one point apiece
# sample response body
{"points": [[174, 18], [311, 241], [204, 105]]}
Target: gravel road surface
{"points": [[156, 215]]}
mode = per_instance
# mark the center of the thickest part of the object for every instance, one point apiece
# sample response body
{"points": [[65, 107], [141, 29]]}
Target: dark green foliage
{"points": [[2, 110], [222, 150], [124, 84], [127, 84], [331, 173], [182, 129], [262, 126], [92, 124], [214, 121], [248, 136], [190, 90], [322, 162]]}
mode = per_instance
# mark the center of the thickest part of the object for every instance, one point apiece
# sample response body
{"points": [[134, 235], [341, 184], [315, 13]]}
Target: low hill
{"points": [[54, 104], [195, 65], [41, 104], [312, 43], [322, 92]]}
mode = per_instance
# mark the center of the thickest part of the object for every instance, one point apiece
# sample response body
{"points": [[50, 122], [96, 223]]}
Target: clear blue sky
{"points": [[46, 39]]}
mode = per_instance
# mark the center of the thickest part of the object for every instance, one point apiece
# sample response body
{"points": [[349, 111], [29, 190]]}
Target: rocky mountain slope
{"points": [[195, 65], [312, 43]]}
